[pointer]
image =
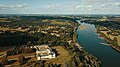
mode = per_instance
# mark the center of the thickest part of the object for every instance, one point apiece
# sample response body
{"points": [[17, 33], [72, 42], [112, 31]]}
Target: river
{"points": [[89, 40]]}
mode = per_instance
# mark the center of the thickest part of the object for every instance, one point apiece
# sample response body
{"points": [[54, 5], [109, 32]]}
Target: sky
{"points": [[59, 6]]}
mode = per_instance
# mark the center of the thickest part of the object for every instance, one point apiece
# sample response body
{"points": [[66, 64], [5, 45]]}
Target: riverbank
{"points": [[90, 41], [108, 40], [92, 58], [115, 48]]}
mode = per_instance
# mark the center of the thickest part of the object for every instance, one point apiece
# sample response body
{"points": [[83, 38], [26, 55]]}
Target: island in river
{"points": [[83, 27]]}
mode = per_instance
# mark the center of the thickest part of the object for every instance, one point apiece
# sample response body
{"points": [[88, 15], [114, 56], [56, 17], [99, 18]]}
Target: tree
{"points": [[29, 43], [1, 65], [21, 59], [4, 60], [11, 52], [115, 41], [38, 64], [8, 53]]}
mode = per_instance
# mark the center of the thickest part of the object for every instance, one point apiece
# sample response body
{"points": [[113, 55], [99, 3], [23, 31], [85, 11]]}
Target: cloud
{"points": [[103, 5], [78, 7], [110, 5], [100, 3], [71, 2], [95, 1], [89, 6], [116, 4], [84, 6], [53, 5], [11, 6]]}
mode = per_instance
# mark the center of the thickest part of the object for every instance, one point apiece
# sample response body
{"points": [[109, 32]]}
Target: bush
{"points": [[13, 52]]}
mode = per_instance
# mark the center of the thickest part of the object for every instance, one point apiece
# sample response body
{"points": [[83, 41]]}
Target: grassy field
{"points": [[60, 23], [9, 29], [63, 55], [112, 37], [13, 60], [118, 39], [2, 20]]}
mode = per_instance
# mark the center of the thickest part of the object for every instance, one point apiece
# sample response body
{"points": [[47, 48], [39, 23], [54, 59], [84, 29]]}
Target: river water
{"points": [[89, 40]]}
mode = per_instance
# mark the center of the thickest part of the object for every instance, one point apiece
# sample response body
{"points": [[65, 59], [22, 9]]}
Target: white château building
{"points": [[44, 52]]}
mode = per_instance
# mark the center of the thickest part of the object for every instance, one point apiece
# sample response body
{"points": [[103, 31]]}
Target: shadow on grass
{"points": [[57, 54], [12, 61], [25, 61]]}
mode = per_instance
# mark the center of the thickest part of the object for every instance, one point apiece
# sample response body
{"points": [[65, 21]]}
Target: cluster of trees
{"points": [[111, 32], [110, 24], [43, 63], [17, 39], [81, 59], [4, 60], [20, 51]]}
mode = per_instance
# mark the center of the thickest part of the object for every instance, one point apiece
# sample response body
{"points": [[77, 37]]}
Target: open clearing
{"points": [[112, 37], [63, 55]]}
